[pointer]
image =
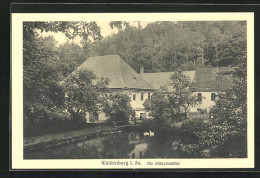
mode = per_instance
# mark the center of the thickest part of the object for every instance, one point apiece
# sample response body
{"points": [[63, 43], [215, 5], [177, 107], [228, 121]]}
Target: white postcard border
{"points": [[17, 92]]}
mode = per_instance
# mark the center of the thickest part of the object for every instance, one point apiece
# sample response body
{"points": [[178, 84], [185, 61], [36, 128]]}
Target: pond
{"points": [[124, 145]]}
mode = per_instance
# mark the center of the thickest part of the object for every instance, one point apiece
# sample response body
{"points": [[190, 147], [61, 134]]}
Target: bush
{"points": [[43, 121], [195, 126], [220, 138], [147, 124], [117, 107], [158, 107]]}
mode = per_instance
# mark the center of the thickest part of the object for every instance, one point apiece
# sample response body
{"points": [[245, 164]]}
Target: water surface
{"points": [[124, 145]]}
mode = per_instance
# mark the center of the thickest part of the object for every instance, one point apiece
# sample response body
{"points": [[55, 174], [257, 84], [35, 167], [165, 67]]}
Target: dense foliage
{"points": [[166, 46], [225, 135], [83, 92], [43, 97], [160, 109], [166, 105], [43, 69], [117, 107], [181, 98], [229, 128]]}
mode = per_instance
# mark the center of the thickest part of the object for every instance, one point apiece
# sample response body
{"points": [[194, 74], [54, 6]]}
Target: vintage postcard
{"points": [[132, 90]]}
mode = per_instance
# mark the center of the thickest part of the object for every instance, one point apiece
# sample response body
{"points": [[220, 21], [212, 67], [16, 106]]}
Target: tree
{"points": [[166, 46], [42, 71], [118, 24], [71, 56], [233, 102], [160, 109], [229, 126], [117, 107], [166, 104], [43, 97], [233, 47], [182, 97], [84, 92]]}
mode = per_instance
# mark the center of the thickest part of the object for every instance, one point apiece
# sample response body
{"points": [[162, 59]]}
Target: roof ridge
{"points": [[166, 72], [103, 56], [154, 72]]}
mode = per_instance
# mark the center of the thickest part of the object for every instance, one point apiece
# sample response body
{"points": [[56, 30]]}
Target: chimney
{"points": [[141, 70]]}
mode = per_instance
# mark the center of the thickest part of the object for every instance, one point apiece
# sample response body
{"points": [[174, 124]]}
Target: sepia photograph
{"points": [[121, 90]]}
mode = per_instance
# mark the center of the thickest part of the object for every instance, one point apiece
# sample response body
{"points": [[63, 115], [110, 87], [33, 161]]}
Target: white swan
{"points": [[146, 133], [151, 133]]}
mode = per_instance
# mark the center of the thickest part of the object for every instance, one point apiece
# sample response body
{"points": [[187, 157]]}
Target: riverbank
{"points": [[45, 142]]}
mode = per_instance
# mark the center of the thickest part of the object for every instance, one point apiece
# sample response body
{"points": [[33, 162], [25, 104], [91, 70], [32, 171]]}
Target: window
{"points": [[142, 96], [213, 96], [199, 97], [134, 97], [149, 95]]}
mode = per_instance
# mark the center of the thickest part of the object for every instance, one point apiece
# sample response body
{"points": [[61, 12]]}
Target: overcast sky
{"points": [[105, 31]]}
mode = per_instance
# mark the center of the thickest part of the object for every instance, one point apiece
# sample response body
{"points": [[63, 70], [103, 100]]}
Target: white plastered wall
{"points": [[206, 102]]}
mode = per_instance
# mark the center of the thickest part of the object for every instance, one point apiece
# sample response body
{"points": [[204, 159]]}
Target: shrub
{"points": [[159, 108], [226, 138], [147, 124], [195, 126], [42, 121], [117, 107]]}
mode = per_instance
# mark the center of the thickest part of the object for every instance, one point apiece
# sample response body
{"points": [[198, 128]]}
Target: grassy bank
{"points": [[213, 138], [44, 142]]}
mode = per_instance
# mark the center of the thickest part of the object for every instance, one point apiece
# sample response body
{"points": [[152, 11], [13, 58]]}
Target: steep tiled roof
{"points": [[213, 79], [162, 78], [113, 67], [203, 79], [157, 79]]}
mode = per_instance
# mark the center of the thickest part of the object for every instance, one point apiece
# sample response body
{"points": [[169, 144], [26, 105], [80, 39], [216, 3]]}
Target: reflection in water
{"points": [[123, 145], [138, 151]]}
